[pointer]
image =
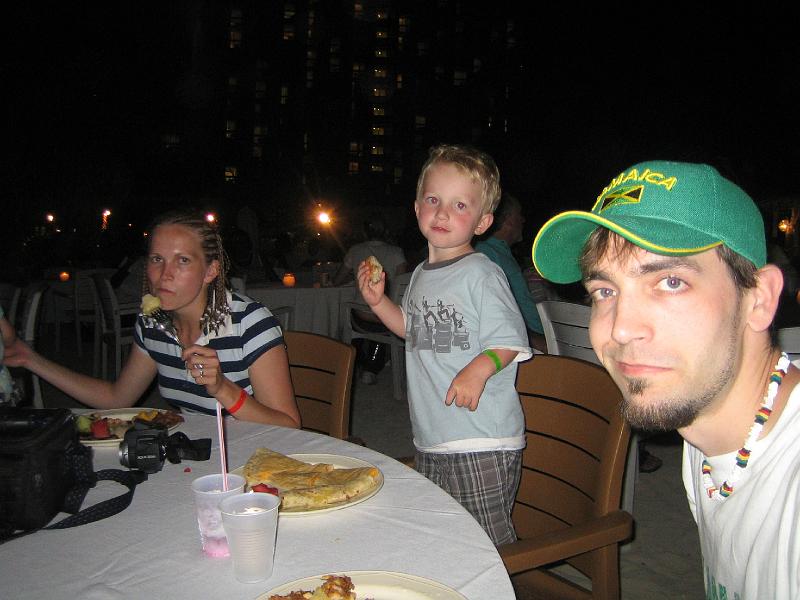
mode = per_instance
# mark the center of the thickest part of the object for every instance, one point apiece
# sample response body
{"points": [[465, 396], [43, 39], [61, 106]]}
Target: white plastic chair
{"points": [[397, 345], [9, 298], [109, 325], [29, 330], [789, 341], [566, 332]]}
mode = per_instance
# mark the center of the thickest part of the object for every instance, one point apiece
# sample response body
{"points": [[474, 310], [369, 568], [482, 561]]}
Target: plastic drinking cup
{"points": [[207, 496], [251, 524]]}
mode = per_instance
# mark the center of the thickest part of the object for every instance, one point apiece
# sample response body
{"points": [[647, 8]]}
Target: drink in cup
{"points": [[208, 493], [251, 524]]}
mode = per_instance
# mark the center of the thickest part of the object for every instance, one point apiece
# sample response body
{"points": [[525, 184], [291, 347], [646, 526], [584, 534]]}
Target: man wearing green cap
{"points": [[674, 258]]}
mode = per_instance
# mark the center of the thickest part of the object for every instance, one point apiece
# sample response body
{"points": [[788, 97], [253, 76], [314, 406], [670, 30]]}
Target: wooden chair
{"points": [[789, 341], [566, 332], [113, 336], [322, 375], [397, 345], [567, 506]]}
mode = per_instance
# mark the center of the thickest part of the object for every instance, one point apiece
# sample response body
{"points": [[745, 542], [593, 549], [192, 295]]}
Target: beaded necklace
{"points": [[773, 383]]}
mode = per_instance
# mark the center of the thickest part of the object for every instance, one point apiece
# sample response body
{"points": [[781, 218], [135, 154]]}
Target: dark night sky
{"points": [[608, 88]]}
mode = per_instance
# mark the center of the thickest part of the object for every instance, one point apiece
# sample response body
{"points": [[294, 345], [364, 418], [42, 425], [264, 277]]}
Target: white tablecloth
{"points": [[152, 548], [315, 309]]}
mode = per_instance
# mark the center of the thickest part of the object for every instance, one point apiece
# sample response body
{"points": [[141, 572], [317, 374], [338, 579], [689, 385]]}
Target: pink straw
{"points": [[222, 461]]}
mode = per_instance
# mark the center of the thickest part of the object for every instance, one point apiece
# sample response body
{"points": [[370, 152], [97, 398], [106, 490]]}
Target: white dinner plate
{"points": [[381, 585], [339, 462], [117, 413]]}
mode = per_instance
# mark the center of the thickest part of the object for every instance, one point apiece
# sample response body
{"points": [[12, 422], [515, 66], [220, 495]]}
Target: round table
{"points": [[152, 548]]}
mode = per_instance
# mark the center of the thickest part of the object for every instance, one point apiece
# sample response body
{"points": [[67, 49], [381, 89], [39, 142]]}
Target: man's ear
{"points": [[765, 297], [211, 271], [484, 223]]}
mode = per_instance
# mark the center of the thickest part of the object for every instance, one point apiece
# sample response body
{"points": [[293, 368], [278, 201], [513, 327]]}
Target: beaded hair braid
{"points": [[211, 241]]}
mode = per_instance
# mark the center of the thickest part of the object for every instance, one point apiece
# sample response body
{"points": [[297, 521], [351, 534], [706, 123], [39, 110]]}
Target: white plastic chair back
{"points": [[397, 345], [112, 334], [789, 341], [29, 329]]}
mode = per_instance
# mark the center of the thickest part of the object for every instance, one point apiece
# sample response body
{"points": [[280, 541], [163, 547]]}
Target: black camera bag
{"points": [[44, 470]]}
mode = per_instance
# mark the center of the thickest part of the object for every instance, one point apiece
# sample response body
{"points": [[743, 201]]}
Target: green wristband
{"points": [[495, 359]]}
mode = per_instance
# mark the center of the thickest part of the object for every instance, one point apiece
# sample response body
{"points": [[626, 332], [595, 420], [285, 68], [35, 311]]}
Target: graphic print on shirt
{"points": [[436, 326]]}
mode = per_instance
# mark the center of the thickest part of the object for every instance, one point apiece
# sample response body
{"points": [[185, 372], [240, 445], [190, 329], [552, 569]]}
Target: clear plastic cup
{"points": [[207, 496], [251, 524]]}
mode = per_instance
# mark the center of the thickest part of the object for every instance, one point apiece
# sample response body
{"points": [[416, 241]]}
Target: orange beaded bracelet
{"points": [[239, 403]]}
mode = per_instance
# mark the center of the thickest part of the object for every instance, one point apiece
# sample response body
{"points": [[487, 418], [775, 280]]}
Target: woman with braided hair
{"points": [[206, 343]]}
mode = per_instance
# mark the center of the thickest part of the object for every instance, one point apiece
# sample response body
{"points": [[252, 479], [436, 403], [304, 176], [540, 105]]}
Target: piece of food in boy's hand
{"points": [[375, 269]]}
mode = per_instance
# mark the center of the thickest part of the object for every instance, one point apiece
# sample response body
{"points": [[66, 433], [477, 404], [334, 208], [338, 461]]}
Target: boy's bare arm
{"points": [[468, 385], [387, 311]]}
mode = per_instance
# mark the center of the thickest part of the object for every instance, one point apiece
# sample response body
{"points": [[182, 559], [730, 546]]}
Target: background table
{"points": [[152, 548], [316, 310]]}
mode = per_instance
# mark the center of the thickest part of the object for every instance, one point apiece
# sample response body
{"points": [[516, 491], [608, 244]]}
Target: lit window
{"points": [[419, 122], [381, 53], [378, 131], [258, 152], [236, 18], [358, 10], [378, 111], [230, 128], [288, 31], [376, 150], [379, 73], [288, 11], [259, 131], [261, 89], [399, 81], [284, 94], [231, 174], [381, 34], [381, 15], [352, 167], [235, 40], [398, 174], [376, 168], [402, 24], [355, 147], [379, 92], [309, 79], [459, 78]]}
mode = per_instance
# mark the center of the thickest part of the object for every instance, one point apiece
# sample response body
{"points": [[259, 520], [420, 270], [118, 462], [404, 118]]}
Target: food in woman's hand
{"points": [[334, 587], [150, 304], [375, 269]]}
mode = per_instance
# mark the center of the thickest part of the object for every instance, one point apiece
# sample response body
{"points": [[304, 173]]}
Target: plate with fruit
{"points": [[108, 427]]}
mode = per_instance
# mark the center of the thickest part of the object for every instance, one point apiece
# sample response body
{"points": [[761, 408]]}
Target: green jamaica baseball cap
{"points": [[671, 208]]}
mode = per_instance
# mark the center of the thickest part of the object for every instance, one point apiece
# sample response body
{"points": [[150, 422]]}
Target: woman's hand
{"points": [[203, 364], [17, 353]]}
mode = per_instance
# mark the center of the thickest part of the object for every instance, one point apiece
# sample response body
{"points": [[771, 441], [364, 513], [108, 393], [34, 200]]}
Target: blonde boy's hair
{"points": [[478, 165]]}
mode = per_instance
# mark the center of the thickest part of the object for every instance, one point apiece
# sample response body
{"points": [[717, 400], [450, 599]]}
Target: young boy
{"points": [[463, 333]]}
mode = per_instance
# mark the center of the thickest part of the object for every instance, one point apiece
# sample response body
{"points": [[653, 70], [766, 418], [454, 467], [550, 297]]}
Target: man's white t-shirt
{"points": [[750, 541]]}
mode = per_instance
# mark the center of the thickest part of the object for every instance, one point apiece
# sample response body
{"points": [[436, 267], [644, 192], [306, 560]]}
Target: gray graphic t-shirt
{"points": [[454, 311]]}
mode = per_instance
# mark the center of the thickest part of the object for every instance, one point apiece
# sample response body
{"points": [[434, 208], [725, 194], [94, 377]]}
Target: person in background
{"points": [[371, 357], [464, 334], [213, 345], [504, 233], [9, 393], [683, 302]]}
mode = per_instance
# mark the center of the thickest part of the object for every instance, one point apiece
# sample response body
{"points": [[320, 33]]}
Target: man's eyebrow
{"points": [[664, 263]]}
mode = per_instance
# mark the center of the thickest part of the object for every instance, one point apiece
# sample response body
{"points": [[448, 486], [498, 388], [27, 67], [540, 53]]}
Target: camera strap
{"points": [[80, 463]]}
